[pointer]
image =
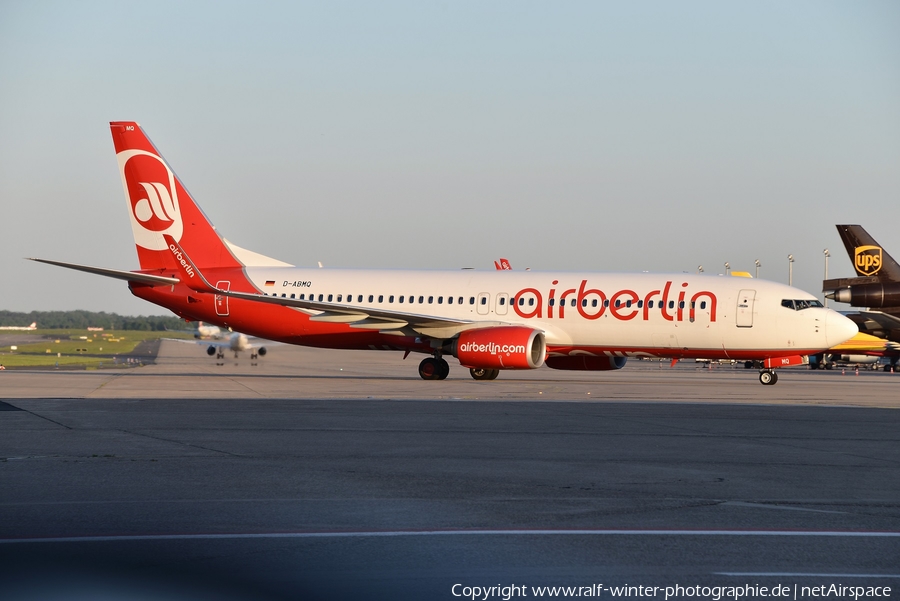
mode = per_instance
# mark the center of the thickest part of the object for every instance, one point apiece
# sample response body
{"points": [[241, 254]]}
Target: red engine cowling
{"points": [[586, 363], [503, 347]]}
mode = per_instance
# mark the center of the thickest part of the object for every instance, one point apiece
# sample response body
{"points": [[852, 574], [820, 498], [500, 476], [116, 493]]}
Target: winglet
{"points": [[190, 275]]}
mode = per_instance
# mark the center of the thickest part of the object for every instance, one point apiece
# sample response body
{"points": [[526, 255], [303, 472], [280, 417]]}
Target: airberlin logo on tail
{"points": [[179, 256], [867, 259], [152, 198]]}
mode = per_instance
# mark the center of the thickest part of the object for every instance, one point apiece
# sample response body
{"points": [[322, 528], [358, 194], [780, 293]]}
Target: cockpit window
{"points": [[799, 304]]}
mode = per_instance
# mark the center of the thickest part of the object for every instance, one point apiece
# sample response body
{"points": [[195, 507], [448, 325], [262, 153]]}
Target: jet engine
{"points": [[586, 363], [502, 347], [869, 295], [262, 351], [211, 350]]}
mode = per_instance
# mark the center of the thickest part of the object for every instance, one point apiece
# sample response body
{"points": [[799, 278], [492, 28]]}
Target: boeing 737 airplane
{"points": [[489, 321]]}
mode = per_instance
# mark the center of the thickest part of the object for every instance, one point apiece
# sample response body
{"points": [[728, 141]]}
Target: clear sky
{"points": [[606, 136]]}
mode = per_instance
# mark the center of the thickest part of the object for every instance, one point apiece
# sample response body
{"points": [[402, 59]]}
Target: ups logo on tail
{"points": [[867, 259]]}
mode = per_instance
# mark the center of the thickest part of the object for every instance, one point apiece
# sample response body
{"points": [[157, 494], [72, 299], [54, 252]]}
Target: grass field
{"points": [[77, 347]]}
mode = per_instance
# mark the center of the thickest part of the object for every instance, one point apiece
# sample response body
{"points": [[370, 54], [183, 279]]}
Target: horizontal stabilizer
{"points": [[128, 276]]}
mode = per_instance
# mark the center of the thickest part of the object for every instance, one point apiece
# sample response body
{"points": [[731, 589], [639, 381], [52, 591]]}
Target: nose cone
{"points": [[838, 329]]}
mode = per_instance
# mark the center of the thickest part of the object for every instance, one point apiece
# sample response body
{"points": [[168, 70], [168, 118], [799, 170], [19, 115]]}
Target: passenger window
{"points": [[671, 304], [503, 301], [573, 302], [449, 300], [702, 304], [606, 303], [650, 304], [681, 305], [421, 299], [440, 300], [292, 296], [584, 302], [283, 295], [628, 303], [531, 302], [321, 296], [430, 300], [400, 299], [339, 297], [483, 300], [391, 298], [330, 296], [471, 300], [302, 297], [380, 298], [640, 304], [459, 300], [371, 298], [550, 302], [618, 302], [521, 301]]}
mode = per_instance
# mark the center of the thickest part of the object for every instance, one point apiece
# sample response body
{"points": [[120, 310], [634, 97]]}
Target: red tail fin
{"points": [[159, 205]]}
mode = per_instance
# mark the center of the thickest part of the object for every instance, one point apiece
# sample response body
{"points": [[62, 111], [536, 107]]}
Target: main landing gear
{"points": [[768, 377], [480, 373], [434, 368]]}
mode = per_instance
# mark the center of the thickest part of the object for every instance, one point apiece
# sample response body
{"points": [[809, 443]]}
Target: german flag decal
{"points": [[270, 282]]}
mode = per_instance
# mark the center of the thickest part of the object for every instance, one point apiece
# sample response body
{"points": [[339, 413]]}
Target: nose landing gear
{"points": [[768, 377]]}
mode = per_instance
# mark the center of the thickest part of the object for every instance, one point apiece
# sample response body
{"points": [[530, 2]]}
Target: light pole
{"points": [[757, 268], [790, 270], [727, 268], [827, 254]]}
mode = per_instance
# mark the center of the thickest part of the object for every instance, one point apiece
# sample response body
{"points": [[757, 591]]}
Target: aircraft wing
{"points": [[878, 323], [367, 318], [364, 318], [128, 276]]}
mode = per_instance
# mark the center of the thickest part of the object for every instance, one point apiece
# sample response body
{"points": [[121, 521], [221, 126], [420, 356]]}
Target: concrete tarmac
{"points": [[341, 475]]}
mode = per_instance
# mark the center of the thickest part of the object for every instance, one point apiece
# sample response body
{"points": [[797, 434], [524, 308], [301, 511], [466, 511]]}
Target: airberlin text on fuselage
{"points": [[623, 304], [188, 268]]}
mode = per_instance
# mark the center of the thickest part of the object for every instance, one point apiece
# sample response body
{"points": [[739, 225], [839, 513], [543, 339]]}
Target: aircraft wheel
{"points": [[768, 377], [479, 373], [748, 365], [494, 374], [444, 370], [829, 365], [430, 369]]}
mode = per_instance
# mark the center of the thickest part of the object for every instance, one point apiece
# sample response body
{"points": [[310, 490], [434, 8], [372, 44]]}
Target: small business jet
{"points": [[488, 320]]}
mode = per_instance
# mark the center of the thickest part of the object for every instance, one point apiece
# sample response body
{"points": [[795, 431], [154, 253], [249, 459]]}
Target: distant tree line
{"points": [[90, 319]]}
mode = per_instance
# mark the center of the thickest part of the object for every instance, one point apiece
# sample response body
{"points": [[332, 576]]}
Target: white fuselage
{"points": [[631, 314]]}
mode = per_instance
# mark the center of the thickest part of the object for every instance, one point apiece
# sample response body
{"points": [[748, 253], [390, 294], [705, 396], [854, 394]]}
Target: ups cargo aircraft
{"points": [[489, 321], [877, 286]]}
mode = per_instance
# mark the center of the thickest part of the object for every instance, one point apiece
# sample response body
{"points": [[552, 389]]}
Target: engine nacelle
{"points": [[262, 351], [860, 359], [586, 363], [869, 295], [502, 347], [211, 350]]}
